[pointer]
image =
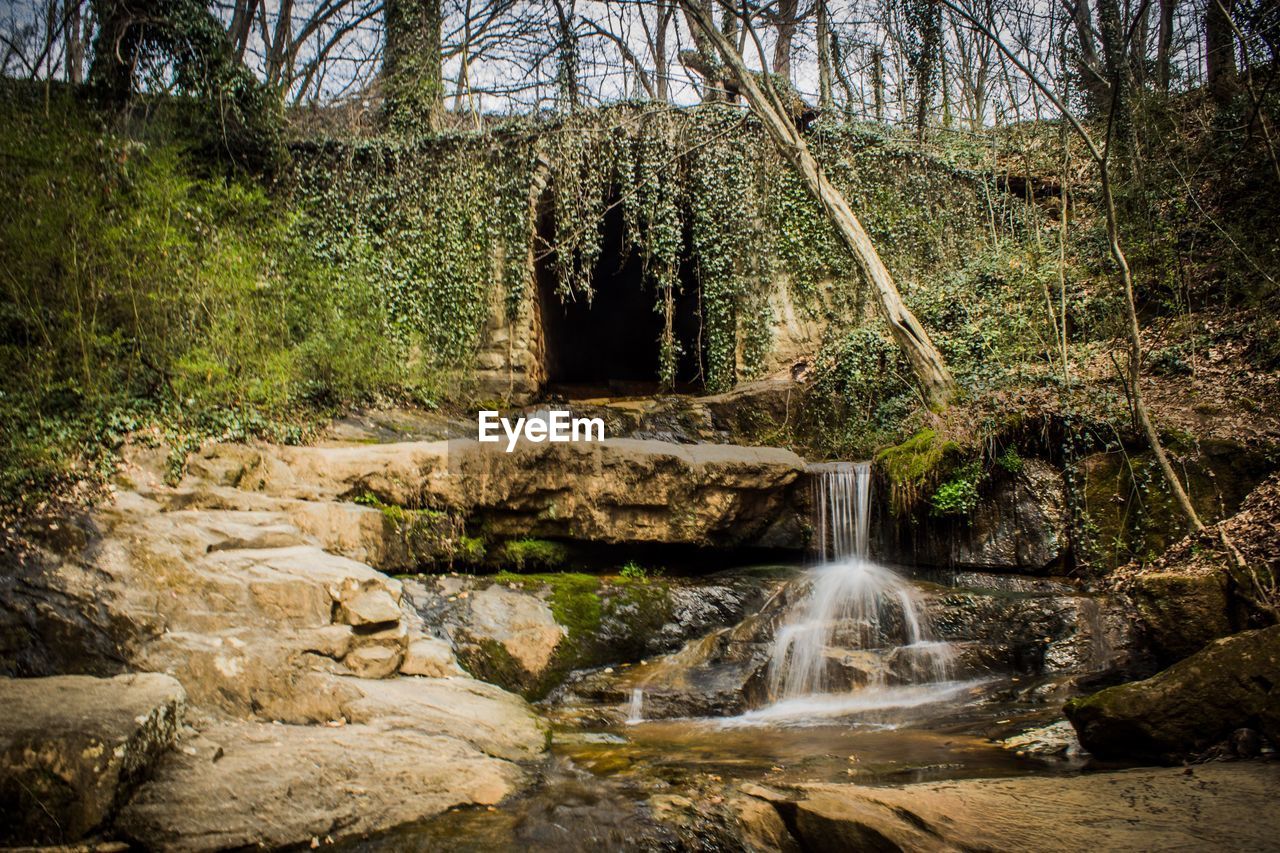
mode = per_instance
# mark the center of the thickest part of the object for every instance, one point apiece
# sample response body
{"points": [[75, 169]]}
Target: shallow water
{"points": [[845, 681], [603, 787]]}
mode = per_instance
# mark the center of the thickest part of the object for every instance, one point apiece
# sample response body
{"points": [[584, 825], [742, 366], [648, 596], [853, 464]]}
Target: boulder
{"points": [[247, 785], [373, 661], [367, 603], [74, 747], [430, 657], [520, 622], [1196, 703], [398, 751], [1210, 807], [1180, 611]]}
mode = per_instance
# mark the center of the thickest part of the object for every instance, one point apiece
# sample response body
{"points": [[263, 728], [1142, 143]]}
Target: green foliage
{"points": [[861, 390], [1009, 460], [180, 46], [532, 554], [575, 598], [440, 222], [412, 85], [912, 466], [958, 496], [141, 292], [426, 227], [633, 571]]}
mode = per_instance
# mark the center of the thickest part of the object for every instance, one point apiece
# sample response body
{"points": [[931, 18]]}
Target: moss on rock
{"points": [[1180, 612], [531, 554], [1189, 707]]}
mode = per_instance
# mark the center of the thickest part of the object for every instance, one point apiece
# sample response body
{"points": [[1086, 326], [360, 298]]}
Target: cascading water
{"points": [[860, 635]]}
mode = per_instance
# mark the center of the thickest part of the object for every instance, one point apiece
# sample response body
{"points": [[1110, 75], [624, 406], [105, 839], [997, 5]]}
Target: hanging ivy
{"points": [[440, 222]]}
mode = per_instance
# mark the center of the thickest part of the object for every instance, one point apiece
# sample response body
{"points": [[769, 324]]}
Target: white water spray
{"points": [[635, 708], [861, 630]]}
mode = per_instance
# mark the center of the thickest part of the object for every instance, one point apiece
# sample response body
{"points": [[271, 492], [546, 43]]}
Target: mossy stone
{"points": [[1196, 703]]}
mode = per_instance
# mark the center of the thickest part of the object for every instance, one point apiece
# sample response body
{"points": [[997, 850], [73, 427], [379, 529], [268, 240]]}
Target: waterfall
{"points": [[635, 707], [860, 627]]}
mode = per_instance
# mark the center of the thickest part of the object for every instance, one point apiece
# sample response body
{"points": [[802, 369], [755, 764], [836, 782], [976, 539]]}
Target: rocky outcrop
{"points": [[295, 660], [1128, 513], [527, 633], [615, 491], [74, 747], [1181, 612], [1020, 524], [1190, 595], [997, 626], [1196, 703], [1223, 806]]}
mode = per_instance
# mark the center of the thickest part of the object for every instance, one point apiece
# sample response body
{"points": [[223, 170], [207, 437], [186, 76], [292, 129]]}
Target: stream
{"points": [[850, 672]]}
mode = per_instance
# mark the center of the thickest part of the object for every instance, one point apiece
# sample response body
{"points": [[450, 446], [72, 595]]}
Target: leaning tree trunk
{"points": [[936, 383]]}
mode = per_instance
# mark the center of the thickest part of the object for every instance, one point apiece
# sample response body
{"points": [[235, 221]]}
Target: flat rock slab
{"points": [[614, 491], [73, 747], [1227, 806], [257, 784]]}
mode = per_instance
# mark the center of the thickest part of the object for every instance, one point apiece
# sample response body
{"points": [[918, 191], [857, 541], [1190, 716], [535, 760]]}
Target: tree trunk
{"points": [[1091, 72], [242, 16], [702, 60], [72, 32], [877, 82], [936, 384], [660, 64], [787, 16], [824, 56], [569, 89], [1220, 50], [413, 84], [115, 49], [1164, 44]]}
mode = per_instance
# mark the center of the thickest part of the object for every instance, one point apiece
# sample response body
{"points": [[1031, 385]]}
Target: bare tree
{"points": [[936, 383]]}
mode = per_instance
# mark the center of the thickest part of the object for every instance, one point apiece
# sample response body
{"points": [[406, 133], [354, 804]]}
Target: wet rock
{"points": [[1232, 683], [1181, 612], [1030, 633], [1220, 806], [1056, 739], [528, 635], [74, 747], [1019, 525], [1245, 743]]}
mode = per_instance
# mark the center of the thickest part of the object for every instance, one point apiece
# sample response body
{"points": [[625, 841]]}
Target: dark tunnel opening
{"points": [[610, 346]]}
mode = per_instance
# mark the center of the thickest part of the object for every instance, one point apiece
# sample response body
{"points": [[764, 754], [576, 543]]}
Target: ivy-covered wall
{"points": [[452, 229]]}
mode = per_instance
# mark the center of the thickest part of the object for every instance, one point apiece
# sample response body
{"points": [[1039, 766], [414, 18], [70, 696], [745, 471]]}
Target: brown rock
{"points": [[1220, 807], [374, 661], [74, 747], [430, 657]]}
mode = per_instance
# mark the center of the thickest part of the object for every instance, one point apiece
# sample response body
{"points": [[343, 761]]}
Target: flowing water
{"points": [[840, 677], [860, 639]]}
